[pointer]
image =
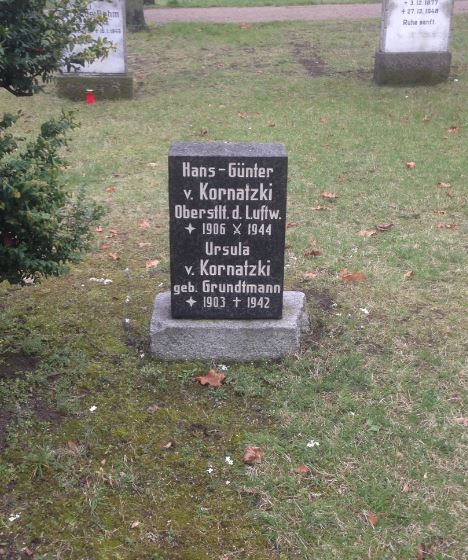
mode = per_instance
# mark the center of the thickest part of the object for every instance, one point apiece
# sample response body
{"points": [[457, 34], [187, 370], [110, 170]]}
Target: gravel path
{"points": [[273, 13]]}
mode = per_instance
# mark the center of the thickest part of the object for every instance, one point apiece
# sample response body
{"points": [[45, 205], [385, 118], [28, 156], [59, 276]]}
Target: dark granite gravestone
{"points": [[227, 226]]}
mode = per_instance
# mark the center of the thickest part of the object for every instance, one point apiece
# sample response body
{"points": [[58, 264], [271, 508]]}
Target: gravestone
{"points": [[414, 42], [227, 205], [108, 77]]}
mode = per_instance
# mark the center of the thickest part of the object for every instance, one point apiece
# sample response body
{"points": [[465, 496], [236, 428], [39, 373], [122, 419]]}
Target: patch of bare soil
{"points": [[11, 365], [310, 59]]}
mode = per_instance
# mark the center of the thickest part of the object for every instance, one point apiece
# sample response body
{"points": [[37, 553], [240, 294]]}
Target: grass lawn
{"points": [[379, 383], [244, 3]]}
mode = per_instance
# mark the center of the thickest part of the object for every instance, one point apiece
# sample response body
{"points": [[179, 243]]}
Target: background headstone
{"points": [[107, 77], [227, 226], [414, 42]]}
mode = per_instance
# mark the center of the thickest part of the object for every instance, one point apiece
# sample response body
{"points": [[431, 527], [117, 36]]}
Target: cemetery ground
{"points": [[106, 453], [226, 3]]}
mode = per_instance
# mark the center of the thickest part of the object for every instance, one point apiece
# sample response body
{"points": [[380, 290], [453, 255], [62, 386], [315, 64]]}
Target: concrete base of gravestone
{"points": [[411, 68], [105, 86], [227, 339]]}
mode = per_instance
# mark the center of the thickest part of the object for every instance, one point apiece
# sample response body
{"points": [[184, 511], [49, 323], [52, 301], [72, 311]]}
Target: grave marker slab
{"points": [[227, 225], [107, 77], [414, 42]]}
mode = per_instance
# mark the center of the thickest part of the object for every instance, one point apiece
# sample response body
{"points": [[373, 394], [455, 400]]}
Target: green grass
{"points": [[245, 3], [382, 392]]}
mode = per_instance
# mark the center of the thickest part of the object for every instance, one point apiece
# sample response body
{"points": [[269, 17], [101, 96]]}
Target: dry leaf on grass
{"points": [[318, 207], [453, 130], [302, 469], [329, 195], [372, 518], [110, 190], [442, 185], [405, 487], [114, 256], [72, 446], [447, 226], [144, 244], [152, 164], [351, 276], [463, 421], [410, 165], [168, 445], [310, 275], [98, 229], [313, 253], [153, 408], [144, 224], [426, 119], [384, 227], [213, 378], [253, 455], [408, 275], [134, 525], [367, 232], [152, 263], [292, 224]]}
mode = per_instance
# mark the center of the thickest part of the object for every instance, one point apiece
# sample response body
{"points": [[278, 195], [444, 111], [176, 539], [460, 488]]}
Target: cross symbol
{"points": [[190, 228], [191, 301], [236, 300]]}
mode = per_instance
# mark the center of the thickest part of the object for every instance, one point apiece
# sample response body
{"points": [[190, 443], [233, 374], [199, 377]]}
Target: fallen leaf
{"points": [[463, 421], [302, 469], [392, 205], [323, 120], [384, 227], [447, 226], [105, 246], [310, 275], [204, 132], [134, 525], [292, 224], [441, 212], [329, 195], [318, 207], [213, 378], [405, 487], [453, 130], [168, 445], [367, 232], [271, 124], [98, 229], [152, 164], [152, 263], [313, 253], [72, 446], [444, 185], [242, 115], [110, 190], [153, 408], [410, 164], [408, 275], [113, 232], [244, 26], [144, 244], [351, 276], [144, 224], [426, 119], [423, 551], [27, 551], [114, 256], [372, 518], [449, 194], [404, 119], [252, 455], [287, 246]]}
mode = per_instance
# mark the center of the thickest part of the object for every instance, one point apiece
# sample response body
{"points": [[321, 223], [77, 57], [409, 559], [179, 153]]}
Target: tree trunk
{"points": [[135, 15]]}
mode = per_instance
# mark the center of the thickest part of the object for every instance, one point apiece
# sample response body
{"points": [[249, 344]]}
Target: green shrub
{"points": [[42, 224]]}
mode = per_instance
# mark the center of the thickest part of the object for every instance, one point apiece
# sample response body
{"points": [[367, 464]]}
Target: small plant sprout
{"points": [[312, 443]]}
